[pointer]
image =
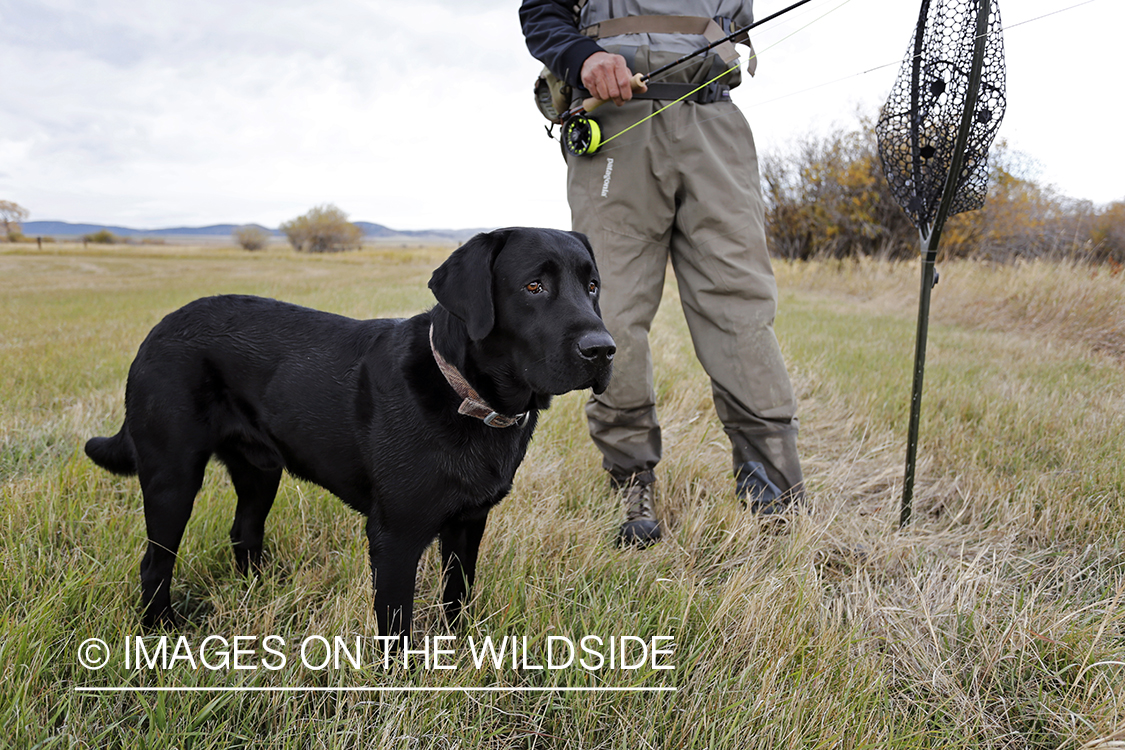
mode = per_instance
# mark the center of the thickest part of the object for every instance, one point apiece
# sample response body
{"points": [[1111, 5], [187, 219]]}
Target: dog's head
{"points": [[529, 300]]}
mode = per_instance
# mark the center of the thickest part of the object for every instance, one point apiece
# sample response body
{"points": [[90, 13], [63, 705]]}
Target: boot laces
{"points": [[639, 501]]}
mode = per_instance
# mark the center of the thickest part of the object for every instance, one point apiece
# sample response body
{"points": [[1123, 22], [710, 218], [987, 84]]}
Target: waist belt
{"points": [[716, 92]]}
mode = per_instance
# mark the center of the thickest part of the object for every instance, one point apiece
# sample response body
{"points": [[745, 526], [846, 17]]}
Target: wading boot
{"points": [[638, 498], [761, 496]]}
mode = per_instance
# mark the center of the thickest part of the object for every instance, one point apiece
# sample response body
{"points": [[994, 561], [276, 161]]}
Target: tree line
{"points": [[827, 197]]}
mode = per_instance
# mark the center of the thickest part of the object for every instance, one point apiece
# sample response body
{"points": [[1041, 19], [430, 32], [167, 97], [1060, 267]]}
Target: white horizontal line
{"points": [[251, 689]]}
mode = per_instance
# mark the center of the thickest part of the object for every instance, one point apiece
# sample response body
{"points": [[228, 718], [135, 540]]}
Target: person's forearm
{"points": [[553, 39]]}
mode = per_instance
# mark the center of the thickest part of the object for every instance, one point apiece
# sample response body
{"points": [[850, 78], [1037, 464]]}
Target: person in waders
{"points": [[682, 185]]}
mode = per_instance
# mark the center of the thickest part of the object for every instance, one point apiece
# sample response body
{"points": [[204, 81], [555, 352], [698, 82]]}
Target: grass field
{"points": [[996, 620]]}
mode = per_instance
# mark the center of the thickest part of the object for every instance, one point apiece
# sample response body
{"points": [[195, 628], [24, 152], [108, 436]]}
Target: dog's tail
{"points": [[116, 453]]}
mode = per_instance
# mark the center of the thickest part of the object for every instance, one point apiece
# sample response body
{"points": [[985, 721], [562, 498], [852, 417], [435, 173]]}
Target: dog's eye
{"points": [[593, 287], [534, 287]]}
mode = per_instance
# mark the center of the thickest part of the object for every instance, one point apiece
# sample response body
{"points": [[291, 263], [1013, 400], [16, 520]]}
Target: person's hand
{"points": [[606, 76]]}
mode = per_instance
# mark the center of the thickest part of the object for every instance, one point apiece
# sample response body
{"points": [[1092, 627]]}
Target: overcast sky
{"points": [[420, 115]]}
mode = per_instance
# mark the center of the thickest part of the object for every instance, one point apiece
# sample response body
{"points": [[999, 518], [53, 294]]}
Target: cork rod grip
{"points": [[637, 82]]}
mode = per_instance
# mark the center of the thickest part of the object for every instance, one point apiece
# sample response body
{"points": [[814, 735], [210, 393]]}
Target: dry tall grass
{"points": [[1059, 302], [996, 620]]}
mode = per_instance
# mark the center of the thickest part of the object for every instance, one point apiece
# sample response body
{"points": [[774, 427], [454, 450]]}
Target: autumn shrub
{"points": [[251, 237], [11, 214], [323, 229], [101, 237], [827, 196]]}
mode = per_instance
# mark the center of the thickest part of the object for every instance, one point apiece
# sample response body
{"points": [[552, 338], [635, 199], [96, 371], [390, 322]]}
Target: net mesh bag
{"points": [[918, 127]]}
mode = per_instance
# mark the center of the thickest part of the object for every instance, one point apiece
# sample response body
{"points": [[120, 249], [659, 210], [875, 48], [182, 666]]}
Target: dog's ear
{"points": [[463, 283], [585, 243]]}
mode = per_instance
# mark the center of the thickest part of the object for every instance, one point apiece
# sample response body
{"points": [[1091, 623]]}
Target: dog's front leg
{"points": [[460, 541], [394, 563]]}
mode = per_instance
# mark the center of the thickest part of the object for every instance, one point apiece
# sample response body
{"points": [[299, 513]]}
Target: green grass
{"points": [[996, 620]]}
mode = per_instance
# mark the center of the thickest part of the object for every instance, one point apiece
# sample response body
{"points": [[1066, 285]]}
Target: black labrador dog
{"points": [[419, 423]]}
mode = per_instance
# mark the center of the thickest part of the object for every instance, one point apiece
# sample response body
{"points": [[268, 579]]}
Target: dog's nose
{"points": [[596, 345]]}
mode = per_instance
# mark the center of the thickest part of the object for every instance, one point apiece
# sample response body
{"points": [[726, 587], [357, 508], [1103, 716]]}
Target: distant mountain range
{"points": [[215, 231]]}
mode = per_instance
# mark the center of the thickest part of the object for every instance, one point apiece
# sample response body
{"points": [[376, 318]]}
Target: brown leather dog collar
{"points": [[472, 405]]}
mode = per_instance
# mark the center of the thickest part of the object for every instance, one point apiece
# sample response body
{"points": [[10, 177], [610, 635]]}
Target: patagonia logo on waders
{"points": [[606, 178]]}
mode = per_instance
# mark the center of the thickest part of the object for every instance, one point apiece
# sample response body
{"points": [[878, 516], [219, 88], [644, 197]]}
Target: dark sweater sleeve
{"points": [[553, 39]]}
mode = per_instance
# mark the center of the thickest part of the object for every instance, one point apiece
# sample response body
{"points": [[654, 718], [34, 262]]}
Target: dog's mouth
{"points": [[595, 379], [601, 379]]}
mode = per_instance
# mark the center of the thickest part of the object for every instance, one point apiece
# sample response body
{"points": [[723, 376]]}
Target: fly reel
{"points": [[581, 136]]}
